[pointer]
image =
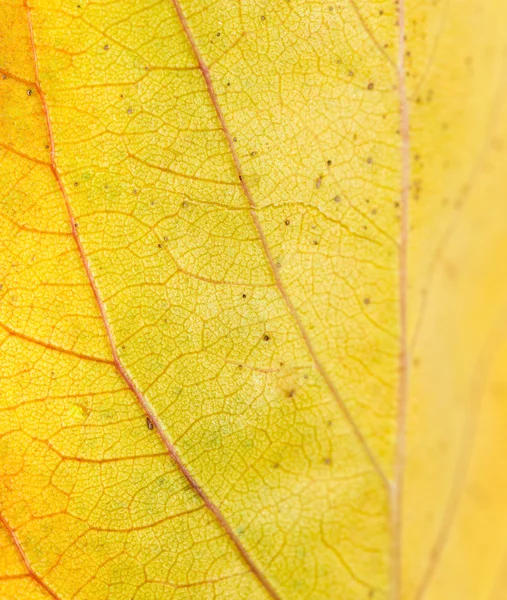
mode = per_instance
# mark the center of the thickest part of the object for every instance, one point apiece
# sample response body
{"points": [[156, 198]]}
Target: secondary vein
{"points": [[404, 359], [267, 252], [144, 403]]}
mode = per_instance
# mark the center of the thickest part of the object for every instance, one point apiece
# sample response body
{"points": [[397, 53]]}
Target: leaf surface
{"points": [[253, 300]]}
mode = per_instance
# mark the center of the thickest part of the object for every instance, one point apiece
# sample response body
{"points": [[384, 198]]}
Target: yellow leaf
{"points": [[253, 300]]}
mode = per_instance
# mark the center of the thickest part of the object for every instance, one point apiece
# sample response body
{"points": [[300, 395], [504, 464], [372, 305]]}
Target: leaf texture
{"points": [[253, 300]]}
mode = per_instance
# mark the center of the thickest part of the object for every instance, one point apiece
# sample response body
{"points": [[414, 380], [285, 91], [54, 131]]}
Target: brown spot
{"points": [[149, 424]]}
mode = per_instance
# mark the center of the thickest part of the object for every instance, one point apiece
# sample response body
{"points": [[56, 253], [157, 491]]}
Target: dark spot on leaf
{"points": [[370, 86], [287, 222], [366, 301], [266, 338], [149, 424], [29, 92]]}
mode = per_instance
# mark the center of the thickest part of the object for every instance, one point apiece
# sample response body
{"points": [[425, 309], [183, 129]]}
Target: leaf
{"points": [[253, 300]]}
